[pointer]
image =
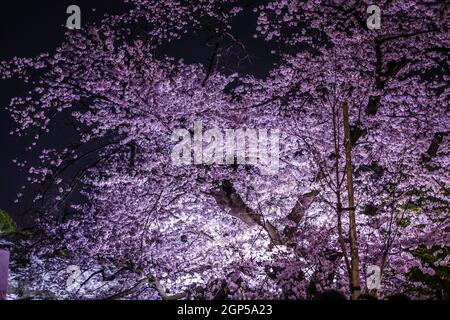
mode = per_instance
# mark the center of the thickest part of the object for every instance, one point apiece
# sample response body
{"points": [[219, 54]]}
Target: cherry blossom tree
{"points": [[363, 168]]}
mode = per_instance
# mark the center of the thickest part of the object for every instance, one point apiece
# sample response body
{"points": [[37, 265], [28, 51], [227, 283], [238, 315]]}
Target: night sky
{"points": [[30, 27]]}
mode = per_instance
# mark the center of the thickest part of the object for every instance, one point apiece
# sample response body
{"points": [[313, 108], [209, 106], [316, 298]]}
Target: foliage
{"points": [[7, 224]]}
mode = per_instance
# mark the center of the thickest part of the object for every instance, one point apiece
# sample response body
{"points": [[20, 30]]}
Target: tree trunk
{"points": [[355, 286]]}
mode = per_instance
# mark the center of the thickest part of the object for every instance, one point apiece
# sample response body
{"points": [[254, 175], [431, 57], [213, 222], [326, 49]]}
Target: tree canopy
{"points": [[350, 103]]}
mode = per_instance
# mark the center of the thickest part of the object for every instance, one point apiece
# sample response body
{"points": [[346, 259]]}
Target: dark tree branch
{"points": [[231, 202]]}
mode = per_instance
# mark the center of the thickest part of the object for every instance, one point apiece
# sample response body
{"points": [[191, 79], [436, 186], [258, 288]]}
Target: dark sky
{"points": [[29, 27]]}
